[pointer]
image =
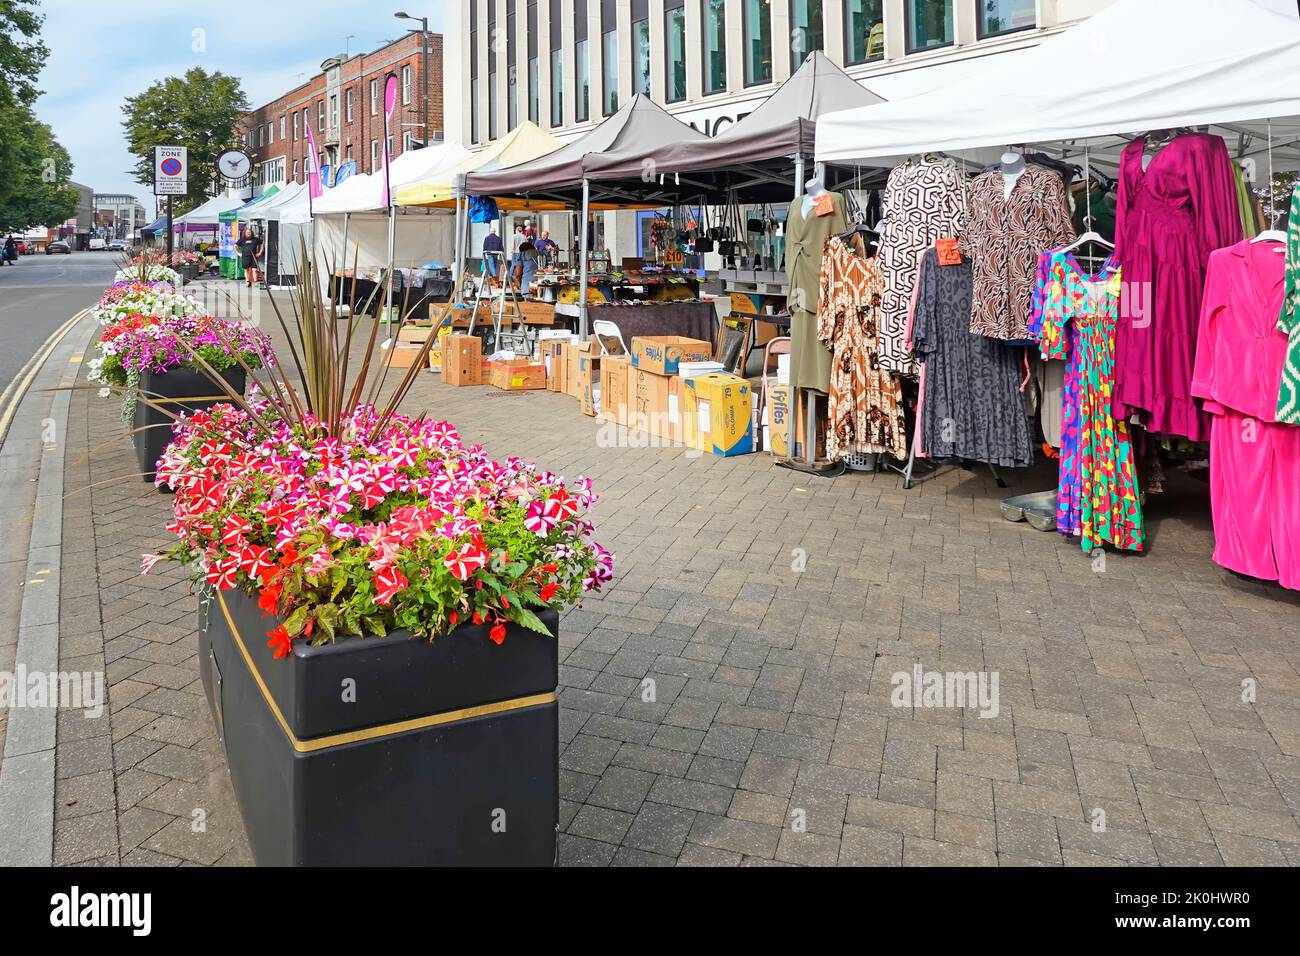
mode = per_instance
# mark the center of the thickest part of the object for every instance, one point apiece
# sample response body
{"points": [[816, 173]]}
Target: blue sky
{"points": [[102, 52]]}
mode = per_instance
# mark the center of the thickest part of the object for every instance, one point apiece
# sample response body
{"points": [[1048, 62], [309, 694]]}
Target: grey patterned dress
{"points": [[972, 407]]}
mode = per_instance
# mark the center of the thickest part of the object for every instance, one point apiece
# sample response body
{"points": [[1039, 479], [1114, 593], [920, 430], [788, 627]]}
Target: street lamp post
{"points": [[424, 73]]}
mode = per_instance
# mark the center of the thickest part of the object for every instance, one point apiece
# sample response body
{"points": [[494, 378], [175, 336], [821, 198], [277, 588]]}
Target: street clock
{"points": [[234, 164]]}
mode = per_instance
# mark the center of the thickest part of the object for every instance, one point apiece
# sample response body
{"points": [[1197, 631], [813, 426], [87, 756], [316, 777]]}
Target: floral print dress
{"points": [[1097, 499], [865, 401]]}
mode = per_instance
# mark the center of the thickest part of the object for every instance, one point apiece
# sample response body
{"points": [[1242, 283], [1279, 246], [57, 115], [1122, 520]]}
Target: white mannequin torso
{"points": [[1013, 167]]}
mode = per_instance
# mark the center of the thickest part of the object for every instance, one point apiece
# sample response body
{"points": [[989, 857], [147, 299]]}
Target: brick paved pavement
{"points": [[1120, 691]]}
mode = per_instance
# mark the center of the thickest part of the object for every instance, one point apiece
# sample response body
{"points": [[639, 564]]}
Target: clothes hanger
{"points": [[1271, 235]]}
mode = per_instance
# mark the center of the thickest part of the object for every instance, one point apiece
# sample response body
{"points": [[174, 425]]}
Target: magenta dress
{"points": [[1254, 461], [1171, 217]]}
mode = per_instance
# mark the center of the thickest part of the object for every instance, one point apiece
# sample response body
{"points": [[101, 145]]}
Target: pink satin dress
{"points": [[1254, 460], [1171, 216]]}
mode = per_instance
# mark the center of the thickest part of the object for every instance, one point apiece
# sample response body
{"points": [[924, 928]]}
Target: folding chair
{"points": [[605, 329]]}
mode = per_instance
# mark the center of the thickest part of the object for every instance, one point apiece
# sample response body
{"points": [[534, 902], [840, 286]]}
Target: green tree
{"points": [[33, 190], [199, 111]]}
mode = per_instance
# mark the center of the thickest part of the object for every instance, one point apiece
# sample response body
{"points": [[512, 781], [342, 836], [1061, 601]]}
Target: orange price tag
{"points": [[949, 254], [824, 204]]}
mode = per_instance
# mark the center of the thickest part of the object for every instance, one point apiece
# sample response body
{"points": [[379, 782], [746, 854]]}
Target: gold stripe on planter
{"points": [[384, 730], [188, 398]]}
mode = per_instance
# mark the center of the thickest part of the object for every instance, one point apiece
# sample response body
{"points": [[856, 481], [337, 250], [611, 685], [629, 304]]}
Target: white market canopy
{"points": [[364, 192], [1138, 65], [272, 208], [209, 213]]}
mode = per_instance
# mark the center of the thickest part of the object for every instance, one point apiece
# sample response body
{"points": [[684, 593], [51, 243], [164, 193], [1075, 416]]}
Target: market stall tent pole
{"points": [[344, 264], [388, 277], [455, 255], [582, 261]]}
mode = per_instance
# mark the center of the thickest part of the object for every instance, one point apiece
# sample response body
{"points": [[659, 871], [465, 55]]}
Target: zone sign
{"points": [[170, 171]]}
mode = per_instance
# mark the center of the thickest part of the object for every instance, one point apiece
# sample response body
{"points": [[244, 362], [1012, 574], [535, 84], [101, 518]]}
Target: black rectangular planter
{"points": [[387, 751], [181, 389]]}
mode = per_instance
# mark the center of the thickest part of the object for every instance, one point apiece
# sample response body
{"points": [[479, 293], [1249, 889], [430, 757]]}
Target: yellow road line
{"points": [[13, 394]]}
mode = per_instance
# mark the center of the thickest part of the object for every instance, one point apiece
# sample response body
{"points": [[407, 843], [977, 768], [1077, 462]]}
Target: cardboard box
{"points": [[518, 374], [462, 362], [574, 351], [589, 383], [779, 410], [537, 313], [654, 404], [664, 354], [614, 377], [556, 362], [718, 415], [436, 353], [403, 354]]}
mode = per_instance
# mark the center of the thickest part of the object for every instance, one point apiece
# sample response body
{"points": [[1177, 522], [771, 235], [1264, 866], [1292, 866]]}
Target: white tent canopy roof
{"points": [[1138, 65], [208, 213], [363, 192], [272, 208]]}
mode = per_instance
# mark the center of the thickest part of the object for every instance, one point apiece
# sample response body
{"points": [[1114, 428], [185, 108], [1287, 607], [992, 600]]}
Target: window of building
{"points": [[374, 97], [492, 104], [406, 85], [320, 116], [609, 69], [374, 155], [758, 42], [283, 120], [295, 124], [929, 24], [390, 145], [334, 110], [641, 57], [582, 64], [675, 51], [806, 33], [1006, 16], [296, 177], [512, 96], [261, 136], [347, 103], [714, 15], [270, 132], [864, 31], [306, 119], [557, 87], [406, 141], [348, 153], [473, 110], [534, 91]]}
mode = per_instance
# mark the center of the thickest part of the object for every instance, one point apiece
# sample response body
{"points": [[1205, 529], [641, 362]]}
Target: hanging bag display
{"points": [[704, 239]]}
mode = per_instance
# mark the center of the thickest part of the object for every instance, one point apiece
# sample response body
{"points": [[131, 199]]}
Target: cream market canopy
{"points": [[523, 144], [559, 174], [207, 214], [759, 148], [1232, 65]]}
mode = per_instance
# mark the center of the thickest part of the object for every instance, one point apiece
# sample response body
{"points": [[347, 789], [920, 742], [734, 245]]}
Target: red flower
{"points": [[505, 601], [550, 568], [387, 583], [255, 561], [453, 618], [477, 618], [289, 556], [269, 601], [498, 633], [280, 642], [548, 591]]}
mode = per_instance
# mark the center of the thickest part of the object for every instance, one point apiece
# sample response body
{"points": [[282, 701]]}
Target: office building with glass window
{"points": [[568, 64]]}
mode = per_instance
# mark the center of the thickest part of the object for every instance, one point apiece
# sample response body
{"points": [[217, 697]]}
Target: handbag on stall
{"points": [[704, 237]]}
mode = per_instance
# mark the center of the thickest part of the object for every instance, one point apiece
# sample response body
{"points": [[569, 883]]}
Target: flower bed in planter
{"points": [[158, 360], [434, 739], [388, 751]]}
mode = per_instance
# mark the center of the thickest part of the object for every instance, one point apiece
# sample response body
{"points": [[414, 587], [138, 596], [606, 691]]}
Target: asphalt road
{"points": [[39, 294]]}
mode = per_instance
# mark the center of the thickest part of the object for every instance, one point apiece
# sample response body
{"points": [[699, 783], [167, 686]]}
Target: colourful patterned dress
{"points": [[1288, 399], [1098, 495]]}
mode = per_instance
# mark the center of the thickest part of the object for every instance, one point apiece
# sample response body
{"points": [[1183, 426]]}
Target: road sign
{"points": [[170, 171]]}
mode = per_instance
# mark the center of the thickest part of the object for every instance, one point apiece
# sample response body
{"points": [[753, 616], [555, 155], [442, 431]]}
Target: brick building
{"points": [[345, 105]]}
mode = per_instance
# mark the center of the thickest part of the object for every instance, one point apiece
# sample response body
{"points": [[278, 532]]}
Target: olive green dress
{"points": [[805, 240]]}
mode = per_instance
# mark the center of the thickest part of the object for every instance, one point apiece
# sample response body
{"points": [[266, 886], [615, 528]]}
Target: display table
{"points": [[694, 320]]}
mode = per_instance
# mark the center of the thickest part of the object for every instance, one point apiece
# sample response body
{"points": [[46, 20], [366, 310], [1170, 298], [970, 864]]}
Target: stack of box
{"points": [[407, 346], [518, 374], [654, 383]]}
